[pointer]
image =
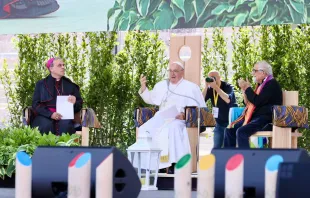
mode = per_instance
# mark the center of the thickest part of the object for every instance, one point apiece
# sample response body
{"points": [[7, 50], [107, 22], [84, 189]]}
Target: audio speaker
{"points": [[50, 171], [293, 180], [254, 167]]}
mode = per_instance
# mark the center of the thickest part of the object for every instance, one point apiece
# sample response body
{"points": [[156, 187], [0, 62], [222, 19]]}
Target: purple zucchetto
{"points": [[49, 62]]}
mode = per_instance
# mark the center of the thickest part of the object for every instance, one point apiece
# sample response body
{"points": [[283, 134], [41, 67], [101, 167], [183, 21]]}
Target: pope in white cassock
{"points": [[171, 135]]}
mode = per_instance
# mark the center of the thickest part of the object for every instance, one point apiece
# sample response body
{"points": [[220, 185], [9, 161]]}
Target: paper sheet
{"points": [[153, 123], [64, 107], [169, 113]]}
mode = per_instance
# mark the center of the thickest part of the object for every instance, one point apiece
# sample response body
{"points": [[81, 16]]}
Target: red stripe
{"points": [[7, 7], [72, 163], [234, 162]]}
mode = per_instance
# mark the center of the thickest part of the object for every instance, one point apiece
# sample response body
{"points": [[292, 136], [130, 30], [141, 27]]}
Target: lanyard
{"points": [[215, 97]]}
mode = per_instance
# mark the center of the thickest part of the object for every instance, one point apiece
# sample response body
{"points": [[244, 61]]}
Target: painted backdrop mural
{"points": [[163, 14], [42, 16]]}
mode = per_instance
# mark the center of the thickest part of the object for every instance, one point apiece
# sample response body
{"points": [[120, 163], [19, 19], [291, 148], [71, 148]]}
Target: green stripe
{"points": [[183, 161]]}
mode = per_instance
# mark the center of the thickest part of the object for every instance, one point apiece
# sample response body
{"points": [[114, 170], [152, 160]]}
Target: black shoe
{"points": [[29, 8], [171, 169], [79, 128], [5, 8]]}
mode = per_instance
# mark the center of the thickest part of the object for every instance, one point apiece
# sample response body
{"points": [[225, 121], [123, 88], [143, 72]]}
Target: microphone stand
{"points": [[198, 117]]}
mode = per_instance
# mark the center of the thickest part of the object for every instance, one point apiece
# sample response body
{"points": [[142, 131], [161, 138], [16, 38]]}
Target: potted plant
{"points": [[14, 139]]}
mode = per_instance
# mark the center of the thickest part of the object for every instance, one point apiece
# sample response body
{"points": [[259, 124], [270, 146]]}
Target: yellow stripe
{"points": [[207, 162], [215, 97], [164, 158]]}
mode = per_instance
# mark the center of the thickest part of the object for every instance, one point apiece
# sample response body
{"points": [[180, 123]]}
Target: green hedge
{"points": [[14, 139]]}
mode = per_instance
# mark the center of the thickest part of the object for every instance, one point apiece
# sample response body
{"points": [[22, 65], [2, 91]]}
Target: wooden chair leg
{"points": [[137, 133], [193, 141], [282, 137], [85, 136], [270, 142], [294, 142]]}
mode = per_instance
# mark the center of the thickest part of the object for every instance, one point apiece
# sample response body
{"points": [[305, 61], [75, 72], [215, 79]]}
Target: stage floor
{"points": [[9, 193]]}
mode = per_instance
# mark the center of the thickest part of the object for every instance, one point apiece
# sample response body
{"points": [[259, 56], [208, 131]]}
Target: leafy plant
{"points": [[215, 57], [26, 139], [207, 57], [100, 91], [245, 53], [162, 14]]}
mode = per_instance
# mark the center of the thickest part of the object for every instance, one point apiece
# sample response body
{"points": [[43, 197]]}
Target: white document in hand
{"points": [[153, 123], [64, 107], [169, 113]]}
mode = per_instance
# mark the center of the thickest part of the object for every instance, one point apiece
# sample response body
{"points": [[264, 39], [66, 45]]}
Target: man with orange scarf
{"points": [[259, 103]]}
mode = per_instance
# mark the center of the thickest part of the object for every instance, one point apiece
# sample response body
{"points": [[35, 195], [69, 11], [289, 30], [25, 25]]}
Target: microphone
{"points": [[168, 82]]}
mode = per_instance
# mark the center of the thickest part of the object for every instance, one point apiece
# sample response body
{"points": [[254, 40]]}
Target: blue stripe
{"points": [[83, 160], [273, 162], [23, 158]]}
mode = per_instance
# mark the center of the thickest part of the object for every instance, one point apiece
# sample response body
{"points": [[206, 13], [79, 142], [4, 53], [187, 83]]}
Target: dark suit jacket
{"points": [[45, 96], [270, 95]]}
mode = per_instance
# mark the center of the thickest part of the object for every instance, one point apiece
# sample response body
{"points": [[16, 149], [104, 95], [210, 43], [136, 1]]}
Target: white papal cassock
{"points": [[170, 136]]}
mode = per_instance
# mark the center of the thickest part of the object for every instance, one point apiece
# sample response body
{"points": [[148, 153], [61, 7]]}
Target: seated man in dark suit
{"points": [[259, 103], [44, 99]]}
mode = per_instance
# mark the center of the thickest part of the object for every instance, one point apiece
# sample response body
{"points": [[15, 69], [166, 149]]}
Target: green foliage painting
{"points": [[169, 14]]}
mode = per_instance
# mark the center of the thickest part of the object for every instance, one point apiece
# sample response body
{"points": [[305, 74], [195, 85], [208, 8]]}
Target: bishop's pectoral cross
{"points": [[163, 103]]}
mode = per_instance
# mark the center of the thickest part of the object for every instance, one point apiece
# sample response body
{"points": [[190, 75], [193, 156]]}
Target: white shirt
{"points": [[182, 94]]}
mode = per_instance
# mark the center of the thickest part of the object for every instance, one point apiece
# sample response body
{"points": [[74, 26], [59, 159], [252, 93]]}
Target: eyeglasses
{"points": [[256, 70], [174, 71], [61, 65]]}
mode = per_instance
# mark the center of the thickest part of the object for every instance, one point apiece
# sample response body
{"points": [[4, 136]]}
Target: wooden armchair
{"points": [[283, 137], [86, 119], [143, 114]]}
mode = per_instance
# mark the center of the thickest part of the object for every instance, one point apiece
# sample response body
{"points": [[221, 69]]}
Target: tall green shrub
{"points": [[245, 53], [207, 59], [100, 90], [283, 57], [220, 52], [215, 57], [302, 50], [32, 51], [146, 56], [265, 43]]}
